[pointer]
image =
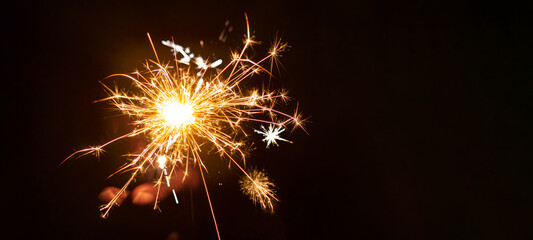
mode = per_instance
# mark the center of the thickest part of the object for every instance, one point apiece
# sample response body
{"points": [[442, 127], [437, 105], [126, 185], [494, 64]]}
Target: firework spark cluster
{"points": [[258, 187], [184, 111]]}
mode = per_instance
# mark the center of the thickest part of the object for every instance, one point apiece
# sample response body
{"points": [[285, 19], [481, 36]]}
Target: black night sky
{"points": [[419, 124]]}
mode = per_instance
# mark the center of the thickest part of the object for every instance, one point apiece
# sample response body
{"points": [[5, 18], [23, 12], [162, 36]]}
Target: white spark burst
{"points": [[272, 134]]}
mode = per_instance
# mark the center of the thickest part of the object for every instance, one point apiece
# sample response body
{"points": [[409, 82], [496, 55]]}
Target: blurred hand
{"points": [[146, 193]]}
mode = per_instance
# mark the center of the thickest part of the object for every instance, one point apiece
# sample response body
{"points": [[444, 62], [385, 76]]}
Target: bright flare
{"points": [[162, 160], [177, 114]]}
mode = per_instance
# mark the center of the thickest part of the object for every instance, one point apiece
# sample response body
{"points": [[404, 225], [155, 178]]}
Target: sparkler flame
{"points": [[181, 112]]}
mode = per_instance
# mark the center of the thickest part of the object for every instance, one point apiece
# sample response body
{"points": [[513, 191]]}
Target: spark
{"points": [[259, 189], [162, 160], [187, 56], [175, 196], [272, 134], [182, 112]]}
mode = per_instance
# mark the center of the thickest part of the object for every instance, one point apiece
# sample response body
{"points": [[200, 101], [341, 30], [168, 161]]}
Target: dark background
{"points": [[419, 126]]}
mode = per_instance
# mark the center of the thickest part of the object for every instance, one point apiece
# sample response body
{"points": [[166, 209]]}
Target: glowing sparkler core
{"points": [[177, 114]]}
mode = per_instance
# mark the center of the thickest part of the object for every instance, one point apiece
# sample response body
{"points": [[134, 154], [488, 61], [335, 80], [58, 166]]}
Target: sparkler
{"points": [[181, 113]]}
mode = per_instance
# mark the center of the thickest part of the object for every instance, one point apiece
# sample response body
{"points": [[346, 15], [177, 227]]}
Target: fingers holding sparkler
{"points": [[151, 193], [108, 193]]}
